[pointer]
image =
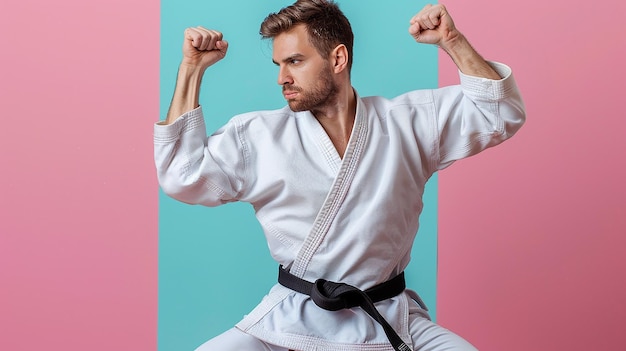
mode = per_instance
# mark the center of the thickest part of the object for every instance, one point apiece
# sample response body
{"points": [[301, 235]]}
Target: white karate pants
{"points": [[426, 335]]}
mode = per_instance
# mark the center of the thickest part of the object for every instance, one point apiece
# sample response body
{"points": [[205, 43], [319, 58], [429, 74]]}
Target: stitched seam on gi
{"points": [[335, 198]]}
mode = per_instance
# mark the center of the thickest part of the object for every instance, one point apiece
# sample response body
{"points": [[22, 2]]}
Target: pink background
{"points": [[532, 233], [79, 91]]}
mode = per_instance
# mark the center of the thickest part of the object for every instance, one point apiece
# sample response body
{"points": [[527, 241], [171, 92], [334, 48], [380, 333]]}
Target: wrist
{"points": [[455, 44], [190, 70]]}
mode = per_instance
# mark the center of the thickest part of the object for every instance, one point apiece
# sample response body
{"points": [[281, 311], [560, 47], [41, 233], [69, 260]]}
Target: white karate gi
{"points": [[350, 220]]}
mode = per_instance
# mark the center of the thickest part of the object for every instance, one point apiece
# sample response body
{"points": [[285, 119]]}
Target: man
{"points": [[336, 179]]}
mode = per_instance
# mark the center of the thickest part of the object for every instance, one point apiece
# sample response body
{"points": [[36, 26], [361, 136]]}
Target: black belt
{"points": [[334, 296]]}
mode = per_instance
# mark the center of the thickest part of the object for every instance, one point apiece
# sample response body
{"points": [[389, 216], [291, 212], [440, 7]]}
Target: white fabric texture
{"points": [[350, 220]]}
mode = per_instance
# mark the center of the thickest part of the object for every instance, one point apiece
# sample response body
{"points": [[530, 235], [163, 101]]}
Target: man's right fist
{"points": [[203, 47]]}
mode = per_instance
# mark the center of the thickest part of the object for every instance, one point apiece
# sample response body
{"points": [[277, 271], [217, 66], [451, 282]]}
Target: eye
{"points": [[294, 61]]}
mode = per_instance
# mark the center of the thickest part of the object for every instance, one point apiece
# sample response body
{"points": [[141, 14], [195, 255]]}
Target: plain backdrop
{"points": [[522, 245]]}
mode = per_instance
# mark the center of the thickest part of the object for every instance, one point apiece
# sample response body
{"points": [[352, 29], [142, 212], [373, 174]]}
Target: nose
{"points": [[284, 77]]}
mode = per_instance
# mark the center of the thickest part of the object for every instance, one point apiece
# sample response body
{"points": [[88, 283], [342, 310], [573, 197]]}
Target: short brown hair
{"points": [[326, 25]]}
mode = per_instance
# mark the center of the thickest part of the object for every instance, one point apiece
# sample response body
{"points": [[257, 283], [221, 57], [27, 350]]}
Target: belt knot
{"points": [[335, 296]]}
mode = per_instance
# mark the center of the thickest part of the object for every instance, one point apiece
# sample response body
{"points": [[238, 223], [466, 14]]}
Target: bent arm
{"points": [[192, 167], [486, 109]]}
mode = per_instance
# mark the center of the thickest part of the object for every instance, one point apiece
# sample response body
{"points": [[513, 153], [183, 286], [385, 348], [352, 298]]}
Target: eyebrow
{"points": [[289, 58]]}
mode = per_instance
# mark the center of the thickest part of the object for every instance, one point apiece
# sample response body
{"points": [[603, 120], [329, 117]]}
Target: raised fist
{"points": [[433, 25], [203, 47]]}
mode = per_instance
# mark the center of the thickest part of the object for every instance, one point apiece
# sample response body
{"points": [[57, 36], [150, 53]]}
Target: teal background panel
{"points": [[214, 264]]}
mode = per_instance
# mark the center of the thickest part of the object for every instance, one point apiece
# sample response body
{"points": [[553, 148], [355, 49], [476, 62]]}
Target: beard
{"points": [[323, 93]]}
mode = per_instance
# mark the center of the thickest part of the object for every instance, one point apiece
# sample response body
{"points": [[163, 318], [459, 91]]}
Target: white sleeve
{"points": [[478, 114], [197, 169]]}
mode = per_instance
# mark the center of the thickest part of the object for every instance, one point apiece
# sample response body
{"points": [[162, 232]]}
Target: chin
{"points": [[295, 107]]}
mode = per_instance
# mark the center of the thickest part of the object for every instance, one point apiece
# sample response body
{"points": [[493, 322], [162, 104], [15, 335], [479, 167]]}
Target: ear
{"points": [[339, 58]]}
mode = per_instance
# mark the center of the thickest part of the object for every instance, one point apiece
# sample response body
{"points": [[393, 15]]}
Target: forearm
{"points": [[468, 60], [187, 92]]}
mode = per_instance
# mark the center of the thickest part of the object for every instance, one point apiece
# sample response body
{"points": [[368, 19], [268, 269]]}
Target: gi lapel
{"points": [[337, 193]]}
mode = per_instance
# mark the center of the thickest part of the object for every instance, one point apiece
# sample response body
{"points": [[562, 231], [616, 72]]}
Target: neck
{"points": [[337, 118]]}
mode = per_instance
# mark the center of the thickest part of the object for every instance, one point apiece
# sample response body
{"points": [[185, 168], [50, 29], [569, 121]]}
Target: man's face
{"points": [[305, 76]]}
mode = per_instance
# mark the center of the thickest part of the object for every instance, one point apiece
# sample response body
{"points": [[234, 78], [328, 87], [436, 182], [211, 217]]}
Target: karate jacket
{"points": [[350, 220]]}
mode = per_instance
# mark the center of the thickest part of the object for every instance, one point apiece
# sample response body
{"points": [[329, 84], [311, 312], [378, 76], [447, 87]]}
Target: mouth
{"points": [[289, 95]]}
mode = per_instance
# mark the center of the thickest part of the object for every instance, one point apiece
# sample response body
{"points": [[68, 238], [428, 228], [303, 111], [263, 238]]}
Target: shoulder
{"points": [[414, 97], [268, 126], [263, 119], [407, 104]]}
